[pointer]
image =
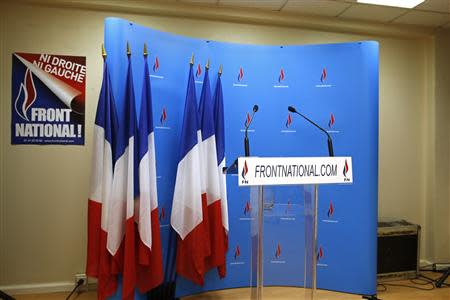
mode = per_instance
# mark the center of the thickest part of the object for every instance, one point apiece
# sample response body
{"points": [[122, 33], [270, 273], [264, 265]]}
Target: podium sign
{"points": [[257, 171]]}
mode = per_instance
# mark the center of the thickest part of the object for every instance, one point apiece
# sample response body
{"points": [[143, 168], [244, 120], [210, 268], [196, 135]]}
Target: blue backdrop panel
{"points": [[336, 85]]}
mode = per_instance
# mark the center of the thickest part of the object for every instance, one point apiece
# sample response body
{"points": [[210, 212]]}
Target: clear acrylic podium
{"points": [[268, 178]]}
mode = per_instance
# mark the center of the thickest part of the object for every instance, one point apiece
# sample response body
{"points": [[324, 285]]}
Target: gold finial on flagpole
{"points": [[207, 64], [103, 51], [220, 70], [192, 59], [145, 50], [128, 49]]}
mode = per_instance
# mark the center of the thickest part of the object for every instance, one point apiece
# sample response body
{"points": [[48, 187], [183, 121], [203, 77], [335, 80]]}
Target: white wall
{"points": [[44, 189]]}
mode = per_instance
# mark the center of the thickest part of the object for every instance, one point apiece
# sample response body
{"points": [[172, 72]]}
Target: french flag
{"points": [[149, 253], [188, 218], [219, 130], [211, 184], [125, 189], [105, 132]]}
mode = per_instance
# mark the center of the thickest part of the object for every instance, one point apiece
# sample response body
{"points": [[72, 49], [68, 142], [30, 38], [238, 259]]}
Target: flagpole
{"points": [[103, 52]]}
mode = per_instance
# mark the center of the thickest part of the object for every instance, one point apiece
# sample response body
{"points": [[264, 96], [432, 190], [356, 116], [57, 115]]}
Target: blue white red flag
{"points": [[219, 125], [188, 207], [105, 134], [211, 185], [149, 263], [121, 220]]}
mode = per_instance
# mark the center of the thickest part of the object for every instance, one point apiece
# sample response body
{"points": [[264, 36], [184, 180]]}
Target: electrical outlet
{"points": [[84, 286]]}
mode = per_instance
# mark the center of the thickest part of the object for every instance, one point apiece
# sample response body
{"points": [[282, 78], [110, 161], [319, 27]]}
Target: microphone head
{"points": [[255, 108], [292, 109]]}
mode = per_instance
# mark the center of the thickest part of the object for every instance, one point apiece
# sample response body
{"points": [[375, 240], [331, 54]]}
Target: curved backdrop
{"points": [[336, 85]]}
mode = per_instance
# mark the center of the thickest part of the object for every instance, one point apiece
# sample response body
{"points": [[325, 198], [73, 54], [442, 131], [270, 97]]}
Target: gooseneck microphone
{"points": [[330, 142], [247, 125]]}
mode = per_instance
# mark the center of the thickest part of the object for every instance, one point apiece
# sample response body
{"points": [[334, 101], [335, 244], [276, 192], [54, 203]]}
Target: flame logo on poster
{"points": [[281, 76], [288, 121], [240, 74], [237, 252], [163, 117], [330, 210], [323, 76], [247, 208], [26, 96], [156, 65], [331, 121], [278, 251], [199, 71]]}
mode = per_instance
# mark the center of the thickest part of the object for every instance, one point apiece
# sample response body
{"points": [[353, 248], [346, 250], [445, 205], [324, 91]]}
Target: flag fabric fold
{"points": [[211, 185], [149, 252], [219, 130], [105, 133], [188, 206]]}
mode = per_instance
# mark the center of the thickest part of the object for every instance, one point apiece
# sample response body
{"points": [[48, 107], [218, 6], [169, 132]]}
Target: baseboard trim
{"points": [[41, 288], [425, 262]]}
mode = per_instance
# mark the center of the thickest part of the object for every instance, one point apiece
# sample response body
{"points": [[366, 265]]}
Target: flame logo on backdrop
{"points": [[345, 169], [247, 208], [162, 215], [199, 71], [244, 170], [156, 65], [281, 76], [288, 207], [247, 120], [27, 95], [330, 210], [278, 251], [323, 76], [288, 121], [331, 122], [241, 74], [163, 117], [237, 252], [320, 253]]}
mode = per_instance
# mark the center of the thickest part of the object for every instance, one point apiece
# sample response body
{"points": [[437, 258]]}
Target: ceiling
{"points": [[431, 13]]}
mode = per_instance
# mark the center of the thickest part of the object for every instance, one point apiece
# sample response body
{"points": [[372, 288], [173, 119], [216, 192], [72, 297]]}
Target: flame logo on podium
{"points": [[345, 169], [26, 96], [244, 170]]}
